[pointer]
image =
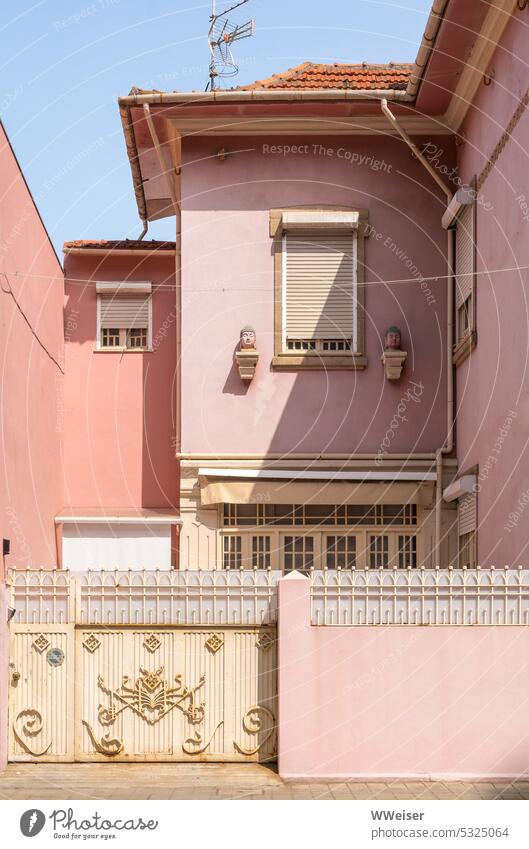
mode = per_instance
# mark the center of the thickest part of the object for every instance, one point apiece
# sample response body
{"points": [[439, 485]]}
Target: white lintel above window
{"points": [[138, 287], [303, 219]]}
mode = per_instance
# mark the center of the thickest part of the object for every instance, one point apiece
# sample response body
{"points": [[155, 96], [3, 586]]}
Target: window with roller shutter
{"points": [[467, 521], [124, 316], [319, 312], [319, 302], [465, 285]]}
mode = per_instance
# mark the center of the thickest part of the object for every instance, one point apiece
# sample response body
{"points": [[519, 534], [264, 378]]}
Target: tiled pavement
{"points": [[221, 781]]}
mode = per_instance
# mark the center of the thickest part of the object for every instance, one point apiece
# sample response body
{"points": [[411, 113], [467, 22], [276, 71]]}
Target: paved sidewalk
{"points": [[220, 781]]}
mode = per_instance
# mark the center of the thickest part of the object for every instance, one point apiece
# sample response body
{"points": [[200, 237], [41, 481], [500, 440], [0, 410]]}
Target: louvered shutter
{"points": [[319, 272], [464, 254], [124, 311], [467, 514]]}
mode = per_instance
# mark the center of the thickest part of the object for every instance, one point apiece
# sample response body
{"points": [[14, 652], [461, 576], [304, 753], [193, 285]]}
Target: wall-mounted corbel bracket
{"points": [[393, 363]]}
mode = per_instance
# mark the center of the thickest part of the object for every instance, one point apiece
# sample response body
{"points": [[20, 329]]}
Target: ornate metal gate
{"points": [[133, 691]]}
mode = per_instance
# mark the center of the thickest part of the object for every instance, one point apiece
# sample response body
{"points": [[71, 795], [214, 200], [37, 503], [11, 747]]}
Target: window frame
{"points": [[318, 359], [115, 290], [320, 532]]}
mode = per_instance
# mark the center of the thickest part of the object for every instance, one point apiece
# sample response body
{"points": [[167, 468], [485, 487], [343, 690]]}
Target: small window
{"points": [[464, 322], [340, 552], [298, 553], [378, 551], [137, 337], [110, 337], [124, 320], [467, 550], [232, 554], [261, 552], [407, 551], [467, 522]]}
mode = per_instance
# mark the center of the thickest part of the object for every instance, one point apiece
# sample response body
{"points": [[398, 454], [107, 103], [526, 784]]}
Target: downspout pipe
{"points": [[415, 150], [448, 444]]}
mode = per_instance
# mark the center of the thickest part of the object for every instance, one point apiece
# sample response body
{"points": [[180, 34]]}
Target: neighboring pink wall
{"points": [[120, 407], [31, 383], [494, 383], [397, 701], [227, 282]]}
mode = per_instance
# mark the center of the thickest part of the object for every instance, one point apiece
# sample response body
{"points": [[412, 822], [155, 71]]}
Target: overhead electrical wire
{"points": [[418, 278]]}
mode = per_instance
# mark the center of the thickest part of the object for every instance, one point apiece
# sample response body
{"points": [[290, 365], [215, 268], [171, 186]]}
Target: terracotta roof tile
{"points": [[120, 244], [309, 75]]}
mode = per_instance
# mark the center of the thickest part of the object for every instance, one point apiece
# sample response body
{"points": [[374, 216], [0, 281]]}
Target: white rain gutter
{"points": [[433, 24], [166, 98], [448, 445]]}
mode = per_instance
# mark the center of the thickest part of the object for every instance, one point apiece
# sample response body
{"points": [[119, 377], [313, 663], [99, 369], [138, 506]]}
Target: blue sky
{"points": [[64, 63]]}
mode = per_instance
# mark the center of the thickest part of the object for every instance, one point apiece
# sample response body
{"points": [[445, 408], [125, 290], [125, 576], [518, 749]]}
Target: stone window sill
{"points": [[121, 350], [464, 347], [319, 362]]}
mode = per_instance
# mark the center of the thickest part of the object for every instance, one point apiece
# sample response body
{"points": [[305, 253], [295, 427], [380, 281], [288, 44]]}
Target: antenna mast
{"points": [[222, 34]]}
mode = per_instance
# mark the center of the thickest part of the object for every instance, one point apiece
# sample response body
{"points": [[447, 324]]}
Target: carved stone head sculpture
{"points": [[248, 339], [392, 339]]}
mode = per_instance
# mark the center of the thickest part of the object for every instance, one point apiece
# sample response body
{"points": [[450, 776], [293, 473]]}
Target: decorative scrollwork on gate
{"points": [[195, 745], [151, 697], [254, 722], [106, 745], [29, 723]]}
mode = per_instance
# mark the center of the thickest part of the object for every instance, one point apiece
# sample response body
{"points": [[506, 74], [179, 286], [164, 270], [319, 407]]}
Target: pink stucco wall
{"points": [[119, 407], [399, 701], [493, 386], [227, 282], [31, 380]]}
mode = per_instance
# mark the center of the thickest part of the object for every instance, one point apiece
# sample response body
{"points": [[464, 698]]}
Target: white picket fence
{"points": [[389, 597], [421, 597], [144, 597]]}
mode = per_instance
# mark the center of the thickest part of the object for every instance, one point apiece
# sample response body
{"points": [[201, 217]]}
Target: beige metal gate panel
{"points": [[176, 694], [254, 701], [41, 693]]}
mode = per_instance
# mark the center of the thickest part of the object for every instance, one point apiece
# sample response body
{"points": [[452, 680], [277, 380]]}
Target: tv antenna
{"points": [[222, 34]]}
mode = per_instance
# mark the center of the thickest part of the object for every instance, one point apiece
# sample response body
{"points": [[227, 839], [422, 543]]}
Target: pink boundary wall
{"points": [[395, 701]]}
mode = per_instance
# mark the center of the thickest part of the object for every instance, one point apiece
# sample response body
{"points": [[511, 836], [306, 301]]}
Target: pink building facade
{"points": [[318, 415], [32, 391], [121, 472], [323, 374]]}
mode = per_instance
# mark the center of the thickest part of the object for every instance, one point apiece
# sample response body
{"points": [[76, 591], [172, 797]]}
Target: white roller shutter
{"points": [[320, 277], [124, 311], [467, 514], [464, 254]]}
